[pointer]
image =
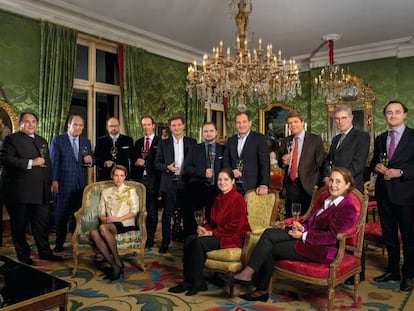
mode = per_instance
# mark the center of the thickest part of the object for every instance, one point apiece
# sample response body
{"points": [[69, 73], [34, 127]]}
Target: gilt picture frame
{"points": [[272, 122]]}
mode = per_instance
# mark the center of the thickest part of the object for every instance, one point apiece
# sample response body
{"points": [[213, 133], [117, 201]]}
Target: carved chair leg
{"points": [[331, 294]]}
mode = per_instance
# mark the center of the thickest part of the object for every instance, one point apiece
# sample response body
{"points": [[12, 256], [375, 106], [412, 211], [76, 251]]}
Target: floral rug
{"points": [[148, 290]]}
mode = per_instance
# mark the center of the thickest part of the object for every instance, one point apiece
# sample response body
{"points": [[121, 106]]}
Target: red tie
{"points": [[294, 165], [147, 144]]}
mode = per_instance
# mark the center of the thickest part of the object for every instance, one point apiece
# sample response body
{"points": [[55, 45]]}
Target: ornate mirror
{"points": [[360, 97], [8, 120]]}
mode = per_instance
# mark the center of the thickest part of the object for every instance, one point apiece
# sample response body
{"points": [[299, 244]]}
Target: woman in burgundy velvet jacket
{"points": [[227, 228], [313, 240]]}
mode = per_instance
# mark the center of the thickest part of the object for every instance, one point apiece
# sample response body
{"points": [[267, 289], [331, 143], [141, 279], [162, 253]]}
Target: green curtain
{"points": [[132, 101], [57, 69], [194, 116]]}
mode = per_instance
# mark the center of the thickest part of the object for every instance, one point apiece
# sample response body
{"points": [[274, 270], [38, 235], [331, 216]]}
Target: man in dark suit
{"points": [[143, 170], [169, 160], [394, 193], [303, 158], [348, 149], [112, 149], [26, 161], [71, 156], [252, 149], [202, 165]]}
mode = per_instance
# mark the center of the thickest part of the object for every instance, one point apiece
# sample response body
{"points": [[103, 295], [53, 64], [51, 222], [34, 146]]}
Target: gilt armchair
{"points": [[87, 219], [348, 259], [261, 209]]}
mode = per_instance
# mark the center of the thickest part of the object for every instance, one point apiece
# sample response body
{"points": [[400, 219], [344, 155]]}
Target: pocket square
{"points": [[125, 147], [219, 158]]}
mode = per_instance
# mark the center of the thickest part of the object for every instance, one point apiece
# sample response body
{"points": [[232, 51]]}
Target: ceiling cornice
{"points": [[61, 13]]}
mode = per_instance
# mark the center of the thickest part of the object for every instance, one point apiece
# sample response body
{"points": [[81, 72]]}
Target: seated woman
{"points": [[117, 210], [227, 228], [313, 240]]}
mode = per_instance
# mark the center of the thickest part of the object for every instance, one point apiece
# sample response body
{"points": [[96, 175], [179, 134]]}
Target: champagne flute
{"points": [[43, 152], [114, 152], [383, 157], [211, 158], [289, 146], [84, 153], [296, 208], [198, 215], [177, 175], [239, 167]]}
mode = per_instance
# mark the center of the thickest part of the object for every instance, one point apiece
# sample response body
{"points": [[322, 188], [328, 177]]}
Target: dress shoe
{"points": [[50, 257], [196, 289], [117, 275], [149, 245], [58, 249], [249, 297], [232, 280], [180, 288], [28, 261], [163, 249], [387, 277], [406, 284]]}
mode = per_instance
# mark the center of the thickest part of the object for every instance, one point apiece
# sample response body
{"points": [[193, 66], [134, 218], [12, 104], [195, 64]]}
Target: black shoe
{"points": [[406, 284], [163, 249], [249, 297], [351, 280], [28, 261], [118, 275], [58, 249], [232, 280], [387, 277], [149, 245], [180, 288], [196, 289], [50, 257]]}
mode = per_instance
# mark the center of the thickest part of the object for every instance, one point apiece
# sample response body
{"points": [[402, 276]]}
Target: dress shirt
{"points": [[301, 137], [178, 153], [397, 136], [240, 143]]}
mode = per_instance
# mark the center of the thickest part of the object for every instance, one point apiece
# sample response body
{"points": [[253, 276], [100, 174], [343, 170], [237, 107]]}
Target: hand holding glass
{"points": [[84, 153], [383, 157], [239, 167], [43, 152], [198, 215], [296, 208]]}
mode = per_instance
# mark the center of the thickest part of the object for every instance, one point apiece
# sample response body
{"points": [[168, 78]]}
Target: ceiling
{"points": [[294, 26]]}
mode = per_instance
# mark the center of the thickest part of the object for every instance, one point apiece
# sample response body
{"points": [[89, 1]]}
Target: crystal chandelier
{"points": [[246, 75], [332, 79]]}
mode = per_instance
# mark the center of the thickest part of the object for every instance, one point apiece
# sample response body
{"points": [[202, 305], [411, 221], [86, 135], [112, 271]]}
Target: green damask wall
{"points": [[19, 61]]}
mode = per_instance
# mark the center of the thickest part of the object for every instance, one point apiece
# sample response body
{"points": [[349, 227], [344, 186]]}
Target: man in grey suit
{"points": [[27, 183], [394, 193], [251, 148], [349, 148], [71, 156], [303, 171]]}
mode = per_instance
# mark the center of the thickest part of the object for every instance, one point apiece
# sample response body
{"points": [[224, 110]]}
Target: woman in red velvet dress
{"points": [[227, 228], [313, 240]]}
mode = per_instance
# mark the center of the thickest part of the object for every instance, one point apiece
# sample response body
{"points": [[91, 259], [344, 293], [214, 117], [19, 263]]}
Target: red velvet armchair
{"points": [[345, 265]]}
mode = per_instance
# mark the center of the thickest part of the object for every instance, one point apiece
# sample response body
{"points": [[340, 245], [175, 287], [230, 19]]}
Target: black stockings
{"points": [[104, 238]]}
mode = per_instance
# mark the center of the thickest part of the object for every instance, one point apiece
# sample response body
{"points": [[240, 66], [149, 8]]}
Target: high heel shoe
{"points": [[117, 276]]}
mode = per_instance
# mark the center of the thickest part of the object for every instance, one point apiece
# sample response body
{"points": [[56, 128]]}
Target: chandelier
{"points": [[246, 75], [332, 79]]}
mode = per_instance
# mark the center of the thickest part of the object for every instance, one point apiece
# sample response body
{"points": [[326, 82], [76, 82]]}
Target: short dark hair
{"points": [[147, 117], [405, 109], [240, 113], [176, 116], [210, 123], [70, 119], [294, 114], [21, 116], [228, 171], [119, 167]]}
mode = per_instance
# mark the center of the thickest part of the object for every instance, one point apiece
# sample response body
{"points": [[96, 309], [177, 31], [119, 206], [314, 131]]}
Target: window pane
{"points": [[82, 62], [107, 67], [78, 106], [105, 108]]}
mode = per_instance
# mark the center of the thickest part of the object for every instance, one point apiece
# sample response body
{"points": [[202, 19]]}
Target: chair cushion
{"points": [[226, 254], [372, 204], [318, 270], [227, 266], [373, 232]]}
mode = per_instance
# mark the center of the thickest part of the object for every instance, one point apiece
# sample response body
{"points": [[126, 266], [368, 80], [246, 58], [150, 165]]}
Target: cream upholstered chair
{"points": [[261, 209], [345, 265], [87, 219]]}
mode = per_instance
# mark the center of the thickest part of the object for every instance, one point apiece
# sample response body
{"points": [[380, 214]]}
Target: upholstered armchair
{"points": [[347, 262], [87, 219], [262, 209]]}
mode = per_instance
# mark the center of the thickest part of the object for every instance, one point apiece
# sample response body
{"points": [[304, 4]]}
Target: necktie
{"points": [[341, 139], [294, 163], [75, 148], [147, 144], [391, 148], [209, 149]]}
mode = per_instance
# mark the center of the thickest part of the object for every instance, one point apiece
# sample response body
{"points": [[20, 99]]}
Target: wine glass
{"points": [[239, 167], [198, 215], [330, 166], [43, 152], [383, 157], [84, 153], [114, 152], [177, 175], [144, 153], [295, 208], [211, 159], [289, 146]]}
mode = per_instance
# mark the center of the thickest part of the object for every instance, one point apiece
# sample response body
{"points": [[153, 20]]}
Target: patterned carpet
{"points": [[148, 290]]}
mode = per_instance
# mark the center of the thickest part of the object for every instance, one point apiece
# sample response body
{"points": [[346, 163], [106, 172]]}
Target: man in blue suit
{"points": [[71, 155]]}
